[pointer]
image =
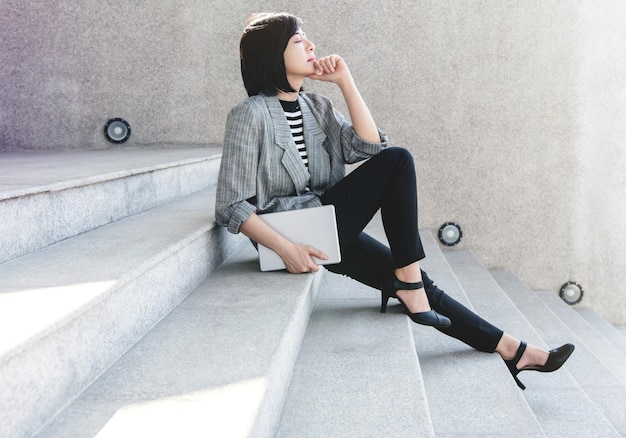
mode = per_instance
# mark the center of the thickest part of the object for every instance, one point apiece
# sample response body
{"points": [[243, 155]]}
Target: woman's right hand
{"points": [[298, 258]]}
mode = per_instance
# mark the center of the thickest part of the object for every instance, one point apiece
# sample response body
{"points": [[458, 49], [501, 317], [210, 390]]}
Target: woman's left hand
{"points": [[331, 68]]}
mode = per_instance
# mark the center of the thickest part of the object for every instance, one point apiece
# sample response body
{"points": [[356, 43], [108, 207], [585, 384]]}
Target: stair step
{"points": [[451, 367], [357, 373], [545, 392], [218, 365], [612, 359], [342, 348], [480, 383], [605, 328], [596, 383], [75, 307], [46, 197], [590, 371]]}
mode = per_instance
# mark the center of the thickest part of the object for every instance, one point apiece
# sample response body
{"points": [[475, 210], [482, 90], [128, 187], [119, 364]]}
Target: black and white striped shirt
{"points": [[294, 118]]}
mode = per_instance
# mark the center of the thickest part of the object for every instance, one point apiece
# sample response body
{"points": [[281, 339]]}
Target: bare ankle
{"points": [[507, 346], [410, 273]]}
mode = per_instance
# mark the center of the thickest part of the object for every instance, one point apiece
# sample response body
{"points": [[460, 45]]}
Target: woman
{"points": [[285, 149]]}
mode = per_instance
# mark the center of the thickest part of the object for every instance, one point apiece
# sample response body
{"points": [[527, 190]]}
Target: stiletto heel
{"points": [[385, 295], [430, 317], [556, 359], [512, 364]]}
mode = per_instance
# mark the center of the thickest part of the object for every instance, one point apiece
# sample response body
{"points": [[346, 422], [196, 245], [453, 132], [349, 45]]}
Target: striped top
{"points": [[294, 118]]}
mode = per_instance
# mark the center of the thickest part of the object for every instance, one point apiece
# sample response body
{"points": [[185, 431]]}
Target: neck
{"points": [[289, 97], [296, 84]]}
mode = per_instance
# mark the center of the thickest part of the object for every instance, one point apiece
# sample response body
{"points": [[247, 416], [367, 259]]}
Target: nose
{"points": [[311, 46]]}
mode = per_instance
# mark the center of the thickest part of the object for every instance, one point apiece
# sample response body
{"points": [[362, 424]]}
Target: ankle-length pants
{"points": [[387, 182]]}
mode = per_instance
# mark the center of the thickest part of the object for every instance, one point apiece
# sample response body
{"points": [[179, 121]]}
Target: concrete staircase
{"points": [[124, 311]]}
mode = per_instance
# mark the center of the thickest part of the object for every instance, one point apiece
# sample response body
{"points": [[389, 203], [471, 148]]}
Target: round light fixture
{"points": [[571, 292], [117, 130], [450, 234]]}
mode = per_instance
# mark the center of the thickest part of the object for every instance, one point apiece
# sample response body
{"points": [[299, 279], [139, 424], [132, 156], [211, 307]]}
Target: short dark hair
{"points": [[261, 49]]}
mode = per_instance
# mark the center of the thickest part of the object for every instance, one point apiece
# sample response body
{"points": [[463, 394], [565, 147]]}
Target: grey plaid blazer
{"points": [[261, 170]]}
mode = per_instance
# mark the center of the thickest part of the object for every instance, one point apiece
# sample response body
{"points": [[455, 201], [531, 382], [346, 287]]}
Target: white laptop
{"points": [[316, 227]]}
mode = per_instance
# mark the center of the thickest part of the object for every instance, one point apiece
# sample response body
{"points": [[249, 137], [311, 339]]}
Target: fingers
{"points": [[303, 268], [309, 263], [327, 64], [331, 68], [317, 253], [304, 262]]}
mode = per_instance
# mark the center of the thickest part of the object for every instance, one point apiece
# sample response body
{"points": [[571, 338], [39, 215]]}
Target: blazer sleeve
{"points": [[236, 183], [341, 132], [355, 148]]}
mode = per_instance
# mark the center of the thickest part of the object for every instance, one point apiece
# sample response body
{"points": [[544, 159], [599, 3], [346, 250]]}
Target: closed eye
{"points": [[302, 36]]}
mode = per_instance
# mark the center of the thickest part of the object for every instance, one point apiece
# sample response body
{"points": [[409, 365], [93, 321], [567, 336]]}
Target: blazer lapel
{"points": [[283, 139], [314, 138]]}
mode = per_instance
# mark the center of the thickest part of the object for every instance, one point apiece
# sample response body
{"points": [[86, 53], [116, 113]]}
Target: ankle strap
{"points": [[401, 285], [520, 352]]}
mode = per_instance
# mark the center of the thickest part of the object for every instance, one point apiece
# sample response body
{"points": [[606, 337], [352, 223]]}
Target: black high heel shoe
{"points": [[556, 359], [430, 317]]}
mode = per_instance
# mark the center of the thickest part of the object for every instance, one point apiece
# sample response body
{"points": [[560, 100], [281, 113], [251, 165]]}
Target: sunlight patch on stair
{"points": [[229, 410], [26, 312]]}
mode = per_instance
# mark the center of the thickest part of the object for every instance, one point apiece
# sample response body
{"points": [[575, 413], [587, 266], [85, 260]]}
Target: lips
{"points": [[311, 59]]}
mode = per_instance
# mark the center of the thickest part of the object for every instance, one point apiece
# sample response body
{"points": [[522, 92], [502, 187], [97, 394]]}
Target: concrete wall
{"points": [[599, 246], [513, 109]]}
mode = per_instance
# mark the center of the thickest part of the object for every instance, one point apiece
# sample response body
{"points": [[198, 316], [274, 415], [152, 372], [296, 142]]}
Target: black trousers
{"points": [[387, 182]]}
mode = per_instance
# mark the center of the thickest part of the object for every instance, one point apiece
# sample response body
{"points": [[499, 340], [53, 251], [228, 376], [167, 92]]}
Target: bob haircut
{"points": [[261, 49]]}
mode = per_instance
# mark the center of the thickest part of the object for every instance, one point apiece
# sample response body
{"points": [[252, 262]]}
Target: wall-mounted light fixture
{"points": [[117, 130], [450, 234], [571, 292]]}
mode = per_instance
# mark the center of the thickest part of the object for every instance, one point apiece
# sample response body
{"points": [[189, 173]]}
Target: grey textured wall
{"points": [[599, 238], [514, 110]]}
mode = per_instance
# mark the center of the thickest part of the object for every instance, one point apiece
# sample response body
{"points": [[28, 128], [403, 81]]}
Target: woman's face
{"points": [[299, 56]]}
